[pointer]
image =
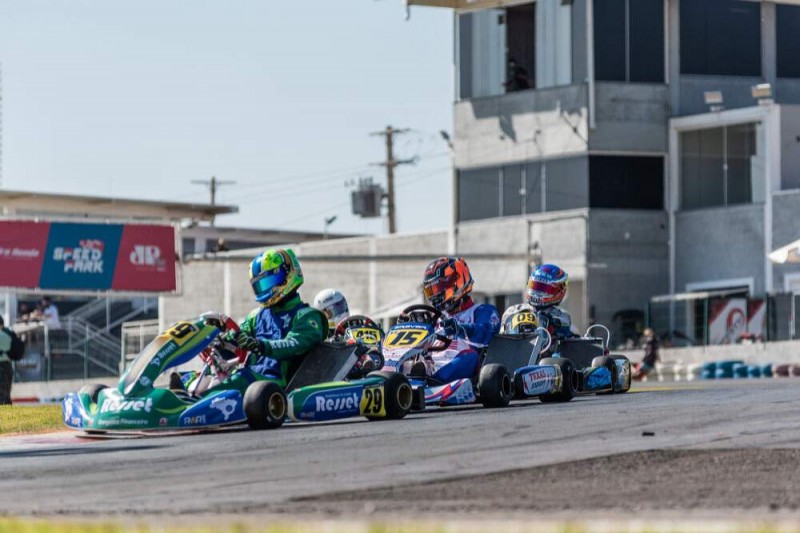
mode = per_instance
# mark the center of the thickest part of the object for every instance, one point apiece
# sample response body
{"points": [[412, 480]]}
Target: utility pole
{"points": [[212, 185], [390, 163]]}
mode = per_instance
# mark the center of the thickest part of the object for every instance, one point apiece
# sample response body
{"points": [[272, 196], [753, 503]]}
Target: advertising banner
{"points": [[87, 257], [727, 320], [757, 318]]}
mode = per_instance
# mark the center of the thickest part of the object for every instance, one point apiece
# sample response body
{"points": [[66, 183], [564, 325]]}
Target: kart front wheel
{"points": [[398, 395], [494, 386], [569, 380], [265, 405], [92, 391]]}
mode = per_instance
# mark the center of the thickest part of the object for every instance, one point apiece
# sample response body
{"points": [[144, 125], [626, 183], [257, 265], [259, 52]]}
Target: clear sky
{"points": [[137, 98]]}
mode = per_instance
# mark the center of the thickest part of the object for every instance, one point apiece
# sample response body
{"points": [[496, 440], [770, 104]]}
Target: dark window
{"points": [[623, 182], [646, 44], [720, 37], [609, 40], [566, 184], [521, 47], [788, 40], [479, 193], [465, 55], [629, 40]]}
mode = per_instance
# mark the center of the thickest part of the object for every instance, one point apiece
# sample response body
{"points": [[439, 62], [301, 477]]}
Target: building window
{"points": [[536, 187], [521, 47], [720, 37], [621, 182], [787, 24], [629, 40], [479, 193], [718, 166]]}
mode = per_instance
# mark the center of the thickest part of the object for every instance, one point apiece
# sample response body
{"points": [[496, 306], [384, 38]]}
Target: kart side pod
{"points": [[552, 380]]}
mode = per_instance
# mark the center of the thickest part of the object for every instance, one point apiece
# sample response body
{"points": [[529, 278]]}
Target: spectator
{"points": [[49, 314], [221, 246], [24, 313], [10, 350], [650, 354], [517, 77]]}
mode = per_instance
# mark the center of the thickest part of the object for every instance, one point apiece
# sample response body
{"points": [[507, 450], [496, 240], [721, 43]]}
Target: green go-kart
{"points": [[329, 384]]}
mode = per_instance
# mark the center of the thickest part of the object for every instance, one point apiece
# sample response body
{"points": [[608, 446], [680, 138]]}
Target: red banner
{"points": [[146, 260], [22, 249]]}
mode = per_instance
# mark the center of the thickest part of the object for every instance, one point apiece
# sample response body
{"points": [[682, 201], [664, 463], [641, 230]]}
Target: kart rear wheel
{"points": [[495, 388], [92, 391], [265, 405], [609, 363], [397, 394], [569, 380]]}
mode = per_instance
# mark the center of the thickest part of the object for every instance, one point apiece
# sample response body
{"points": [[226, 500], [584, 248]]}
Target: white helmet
{"points": [[333, 304]]}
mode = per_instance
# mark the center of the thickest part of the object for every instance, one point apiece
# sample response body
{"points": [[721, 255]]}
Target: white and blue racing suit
{"points": [[557, 322], [478, 324]]}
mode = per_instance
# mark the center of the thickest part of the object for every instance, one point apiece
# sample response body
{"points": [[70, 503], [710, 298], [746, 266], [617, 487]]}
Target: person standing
{"points": [[11, 349], [650, 354], [50, 314]]}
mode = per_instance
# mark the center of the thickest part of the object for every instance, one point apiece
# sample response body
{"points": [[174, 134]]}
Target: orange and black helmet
{"points": [[447, 281]]}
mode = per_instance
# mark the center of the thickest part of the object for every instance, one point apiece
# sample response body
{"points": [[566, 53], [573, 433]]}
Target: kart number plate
{"points": [[405, 338], [181, 332], [372, 401], [523, 318], [366, 335]]}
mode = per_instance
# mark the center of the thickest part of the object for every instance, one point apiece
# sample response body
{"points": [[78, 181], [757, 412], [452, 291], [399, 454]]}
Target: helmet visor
{"points": [[542, 288], [265, 282], [336, 309]]}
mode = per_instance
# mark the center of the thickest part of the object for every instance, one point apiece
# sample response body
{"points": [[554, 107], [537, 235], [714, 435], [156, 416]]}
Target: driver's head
{"points": [[333, 305], [547, 286], [447, 283], [275, 276]]}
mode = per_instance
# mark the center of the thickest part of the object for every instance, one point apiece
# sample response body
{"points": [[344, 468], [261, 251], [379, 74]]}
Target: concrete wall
{"points": [[628, 260], [631, 117], [720, 243], [735, 91], [503, 129]]}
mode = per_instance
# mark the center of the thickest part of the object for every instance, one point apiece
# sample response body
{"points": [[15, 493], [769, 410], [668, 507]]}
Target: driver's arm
{"points": [[486, 325], [307, 330]]}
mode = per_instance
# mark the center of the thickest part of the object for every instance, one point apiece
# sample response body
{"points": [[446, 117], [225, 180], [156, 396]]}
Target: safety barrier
{"points": [[726, 369]]}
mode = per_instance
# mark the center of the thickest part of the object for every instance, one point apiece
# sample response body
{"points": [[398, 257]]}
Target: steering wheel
{"points": [[352, 322], [420, 313]]}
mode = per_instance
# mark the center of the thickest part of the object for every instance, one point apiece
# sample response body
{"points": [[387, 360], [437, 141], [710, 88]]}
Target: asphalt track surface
{"points": [[474, 456]]}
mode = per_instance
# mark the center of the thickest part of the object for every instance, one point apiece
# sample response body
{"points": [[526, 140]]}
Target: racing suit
{"points": [[557, 321], [286, 332], [477, 324]]}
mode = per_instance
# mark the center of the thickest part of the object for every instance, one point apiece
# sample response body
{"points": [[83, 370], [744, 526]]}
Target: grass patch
{"points": [[15, 419]]}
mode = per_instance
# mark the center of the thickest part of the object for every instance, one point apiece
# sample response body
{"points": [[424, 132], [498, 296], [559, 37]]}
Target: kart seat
{"points": [[327, 361]]}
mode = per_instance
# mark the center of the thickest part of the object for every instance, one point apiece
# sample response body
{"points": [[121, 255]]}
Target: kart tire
{"points": [[609, 363], [495, 388], [92, 391], [570, 382], [265, 405], [398, 396]]}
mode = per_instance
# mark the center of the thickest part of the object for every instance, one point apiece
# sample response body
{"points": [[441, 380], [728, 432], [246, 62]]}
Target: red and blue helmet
{"points": [[547, 286]]}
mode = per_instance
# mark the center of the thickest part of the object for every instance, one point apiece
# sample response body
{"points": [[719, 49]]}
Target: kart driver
{"points": [[547, 287], [283, 328], [334, 305], [447, 284]]}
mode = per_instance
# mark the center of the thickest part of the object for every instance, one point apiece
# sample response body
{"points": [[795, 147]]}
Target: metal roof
{"points": [[49, 205]]}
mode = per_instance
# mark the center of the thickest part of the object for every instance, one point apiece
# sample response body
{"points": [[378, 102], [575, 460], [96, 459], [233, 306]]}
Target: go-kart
{"points": [[225, 392], [584, 361], [411, 342]]}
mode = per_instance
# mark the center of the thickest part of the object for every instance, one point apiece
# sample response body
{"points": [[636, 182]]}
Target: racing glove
{"points": [[249, 343], [450, 327]]}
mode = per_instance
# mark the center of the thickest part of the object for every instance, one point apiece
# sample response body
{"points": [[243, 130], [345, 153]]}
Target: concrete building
{"points": [[620, 139]]}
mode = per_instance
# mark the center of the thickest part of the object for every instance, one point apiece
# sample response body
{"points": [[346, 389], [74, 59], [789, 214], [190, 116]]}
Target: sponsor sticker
{"points": [[372, 401]]}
